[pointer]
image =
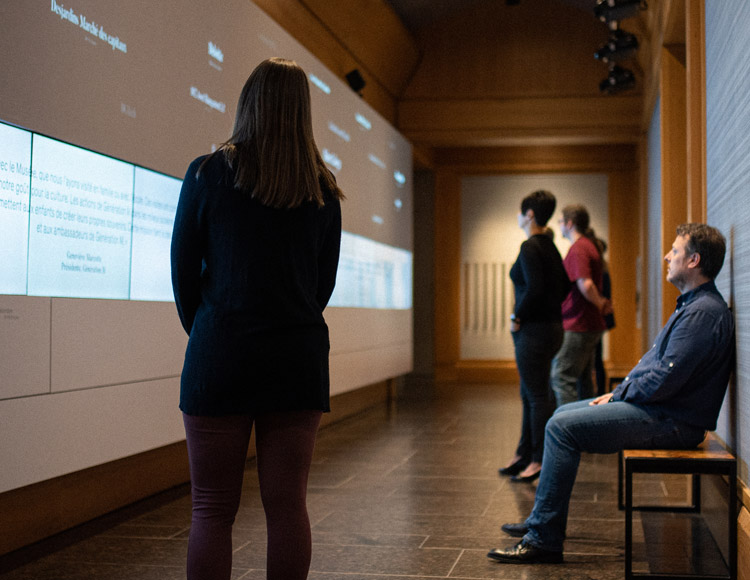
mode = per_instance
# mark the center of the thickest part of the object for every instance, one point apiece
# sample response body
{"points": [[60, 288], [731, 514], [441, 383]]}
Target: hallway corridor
{"points": [[406, 493]]}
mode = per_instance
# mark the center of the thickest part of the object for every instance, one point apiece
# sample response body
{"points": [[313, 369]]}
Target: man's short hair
{"points": [[542, 203], [709, 243]]}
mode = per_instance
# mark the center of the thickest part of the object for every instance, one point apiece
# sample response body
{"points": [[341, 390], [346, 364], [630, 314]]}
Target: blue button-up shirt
{"points": [[687, 370]]}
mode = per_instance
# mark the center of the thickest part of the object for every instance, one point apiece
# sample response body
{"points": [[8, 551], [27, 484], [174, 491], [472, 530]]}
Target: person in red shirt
{"points": [[582, 311]]}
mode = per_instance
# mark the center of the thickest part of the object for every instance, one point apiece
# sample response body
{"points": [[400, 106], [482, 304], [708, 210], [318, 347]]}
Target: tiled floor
{"points": [[406, 493]]}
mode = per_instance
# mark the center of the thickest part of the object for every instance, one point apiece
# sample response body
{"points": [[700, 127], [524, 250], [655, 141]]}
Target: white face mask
{"points": [[522, 221]]}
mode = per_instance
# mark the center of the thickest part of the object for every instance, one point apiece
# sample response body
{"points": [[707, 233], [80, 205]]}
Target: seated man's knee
{"points": [[567, 420], [554, 425]]}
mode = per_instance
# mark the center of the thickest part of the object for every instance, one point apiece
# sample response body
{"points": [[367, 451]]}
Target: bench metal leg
{"points": [[628, 518], [694, 506], [620, 475], [629, 468]]}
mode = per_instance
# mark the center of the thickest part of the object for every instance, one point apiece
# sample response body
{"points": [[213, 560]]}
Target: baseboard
{"points": [[480, 371], [743, 535], [38, 511], [475, 371]]}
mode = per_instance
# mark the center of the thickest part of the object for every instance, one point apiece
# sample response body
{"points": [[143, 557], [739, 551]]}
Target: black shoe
{"points": [[515, 530], [526, 479], [523, 553], [513, 468]]}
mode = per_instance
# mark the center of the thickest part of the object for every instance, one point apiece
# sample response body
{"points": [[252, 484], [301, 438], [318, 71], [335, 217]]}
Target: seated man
{"points": [[671, 397]]}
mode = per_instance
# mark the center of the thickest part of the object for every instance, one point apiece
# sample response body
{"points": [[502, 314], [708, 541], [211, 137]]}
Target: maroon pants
{"points": [[217, 451]]}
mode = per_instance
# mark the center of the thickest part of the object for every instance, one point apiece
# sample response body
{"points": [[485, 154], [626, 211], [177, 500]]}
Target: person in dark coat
{"points": [[255, 250], [541, 284]]}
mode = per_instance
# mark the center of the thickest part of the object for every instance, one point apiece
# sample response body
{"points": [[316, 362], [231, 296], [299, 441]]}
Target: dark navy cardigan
{"points": [[250, 285]]}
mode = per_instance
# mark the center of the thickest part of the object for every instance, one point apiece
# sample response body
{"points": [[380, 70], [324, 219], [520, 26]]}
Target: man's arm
{"points": [[591, 293], [689, 347]]}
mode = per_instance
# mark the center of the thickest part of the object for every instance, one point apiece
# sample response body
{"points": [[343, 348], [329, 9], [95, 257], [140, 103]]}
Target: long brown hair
{"points": [[272, 148]]}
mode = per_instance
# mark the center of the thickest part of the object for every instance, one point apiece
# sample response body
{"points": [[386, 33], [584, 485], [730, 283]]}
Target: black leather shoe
{"points": [[515, 530], [527, 479], [523, 553], [513, 468]]}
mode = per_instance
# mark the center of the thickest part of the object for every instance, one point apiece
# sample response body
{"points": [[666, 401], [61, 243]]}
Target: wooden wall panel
{"points": [[624, 339], [642, 298], [674, 204], [40, 510], [743, 545], [696, 110], [447, 272], [649, 54]]}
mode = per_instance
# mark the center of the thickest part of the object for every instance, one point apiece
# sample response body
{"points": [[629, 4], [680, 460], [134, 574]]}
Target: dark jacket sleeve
{"points": [[328, 258], [186, 250]]}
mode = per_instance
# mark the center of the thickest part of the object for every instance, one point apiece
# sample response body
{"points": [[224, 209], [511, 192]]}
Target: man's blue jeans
{"points": [[608, 428], [574, 361]]}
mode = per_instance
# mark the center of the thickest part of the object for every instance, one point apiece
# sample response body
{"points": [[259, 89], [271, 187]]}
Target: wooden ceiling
{"points": [[492, 73], [483, 73], [417, 14]]}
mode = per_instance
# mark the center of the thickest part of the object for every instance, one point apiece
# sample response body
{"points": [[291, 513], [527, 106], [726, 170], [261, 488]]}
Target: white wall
{"points": [[84, 382]]}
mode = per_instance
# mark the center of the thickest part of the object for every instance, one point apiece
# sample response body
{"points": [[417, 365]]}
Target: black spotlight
{"points": [[621, 45], [356, 82], [609, 10], [619, 80]]}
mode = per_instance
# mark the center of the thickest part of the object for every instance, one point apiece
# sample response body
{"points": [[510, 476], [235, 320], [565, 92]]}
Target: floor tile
{"points": [[411, 492]]}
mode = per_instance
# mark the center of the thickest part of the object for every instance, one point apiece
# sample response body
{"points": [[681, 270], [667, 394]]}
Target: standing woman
{"points": [[254, 255], [540, 285]]}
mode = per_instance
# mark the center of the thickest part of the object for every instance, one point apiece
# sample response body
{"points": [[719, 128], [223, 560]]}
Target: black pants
{"points": [[536, 344]]}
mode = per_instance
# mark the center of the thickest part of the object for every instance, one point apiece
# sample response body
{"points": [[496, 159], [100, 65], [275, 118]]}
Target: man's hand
{"points": [[591, 293], [601, 400]]}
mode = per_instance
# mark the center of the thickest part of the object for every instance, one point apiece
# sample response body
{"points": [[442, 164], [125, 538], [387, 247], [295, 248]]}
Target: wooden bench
{"points": [[709, 458]]}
